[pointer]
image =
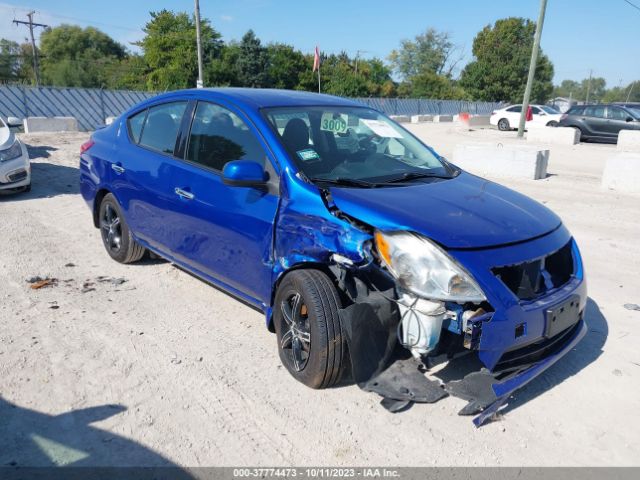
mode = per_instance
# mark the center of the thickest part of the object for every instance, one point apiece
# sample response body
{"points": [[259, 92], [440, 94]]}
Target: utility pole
{"points": [[532, 67], [200, 83], [630, 90], [358, 52], [36, 67], [589, 86]]}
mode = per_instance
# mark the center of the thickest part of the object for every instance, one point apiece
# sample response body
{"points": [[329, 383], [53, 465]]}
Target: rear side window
{"points": [[161, 126], [535, 110], [219, 136], [575, 111], [516, 109], [135, 125], [596, 111]]}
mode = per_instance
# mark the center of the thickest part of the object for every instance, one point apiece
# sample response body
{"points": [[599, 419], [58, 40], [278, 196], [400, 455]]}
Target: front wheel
{"points": [[552, 123], [311, 343], [116, 236]]}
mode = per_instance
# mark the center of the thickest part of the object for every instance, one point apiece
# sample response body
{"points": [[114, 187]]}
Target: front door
{"points": [[225, 232]]}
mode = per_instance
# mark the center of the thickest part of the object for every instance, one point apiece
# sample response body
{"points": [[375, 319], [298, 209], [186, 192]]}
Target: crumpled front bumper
{"points": [[505, 388], [381, 365]]}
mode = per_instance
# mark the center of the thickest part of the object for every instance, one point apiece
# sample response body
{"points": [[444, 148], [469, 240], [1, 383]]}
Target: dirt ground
{"points": [[147, 365]]}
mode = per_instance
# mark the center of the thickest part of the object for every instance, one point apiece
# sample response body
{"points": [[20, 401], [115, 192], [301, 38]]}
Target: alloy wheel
{"points": [[111, 228], [296, 336]]}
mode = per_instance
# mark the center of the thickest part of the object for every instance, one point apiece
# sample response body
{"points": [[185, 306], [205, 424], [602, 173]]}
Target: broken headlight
{"points": [[423, 268]]}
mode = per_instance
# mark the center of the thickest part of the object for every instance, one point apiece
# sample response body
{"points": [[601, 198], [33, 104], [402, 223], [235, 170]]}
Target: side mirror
{"points": [[630, 119], [14, 122], [244, 173]]}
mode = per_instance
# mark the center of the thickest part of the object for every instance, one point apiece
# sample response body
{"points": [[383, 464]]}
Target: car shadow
{"points": [[586, 352], [40, 151], [29, 438]]}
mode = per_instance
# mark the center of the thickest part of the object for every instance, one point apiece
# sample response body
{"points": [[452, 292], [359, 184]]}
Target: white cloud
{"points": [[226, 18]]}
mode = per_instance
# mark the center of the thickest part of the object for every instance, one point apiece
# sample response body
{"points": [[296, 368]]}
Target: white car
{"points": [[15, 169], [508, 118]]}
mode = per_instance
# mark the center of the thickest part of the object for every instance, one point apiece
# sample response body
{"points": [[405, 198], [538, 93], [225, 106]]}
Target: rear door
{"points": [[222, 231], [142, 186], [594, 119]]}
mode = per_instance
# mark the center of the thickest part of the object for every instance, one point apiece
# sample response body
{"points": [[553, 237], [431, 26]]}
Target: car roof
{"points": [[257, 98]]}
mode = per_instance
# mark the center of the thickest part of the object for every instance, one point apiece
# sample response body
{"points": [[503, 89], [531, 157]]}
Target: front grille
{"points": [[529, 280], [536, 351], [17, 176]]}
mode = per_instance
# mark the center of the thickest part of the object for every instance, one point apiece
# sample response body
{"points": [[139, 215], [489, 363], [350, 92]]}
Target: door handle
{"points": [[184, 194], [117, 168]]}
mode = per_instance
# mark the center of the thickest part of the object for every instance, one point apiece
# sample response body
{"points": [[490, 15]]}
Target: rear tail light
{"points": [[86, 146], [494, 112]]}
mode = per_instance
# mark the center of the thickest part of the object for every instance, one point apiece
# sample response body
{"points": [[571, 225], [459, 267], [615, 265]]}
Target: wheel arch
{"points": [[100, 194], [309, 265]]}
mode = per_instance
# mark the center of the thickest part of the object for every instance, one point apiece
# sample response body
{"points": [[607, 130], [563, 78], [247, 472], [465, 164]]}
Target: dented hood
{"points": [[463, 212]]}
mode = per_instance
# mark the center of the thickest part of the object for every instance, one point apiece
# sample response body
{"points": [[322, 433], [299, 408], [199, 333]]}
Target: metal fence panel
{"points": [[91, 106]]}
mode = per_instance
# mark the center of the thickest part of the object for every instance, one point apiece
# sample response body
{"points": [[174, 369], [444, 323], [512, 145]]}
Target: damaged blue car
{"points": [[374, 259]]}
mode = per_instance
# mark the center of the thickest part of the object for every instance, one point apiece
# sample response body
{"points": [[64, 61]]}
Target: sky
{"points": [[578, 35]]}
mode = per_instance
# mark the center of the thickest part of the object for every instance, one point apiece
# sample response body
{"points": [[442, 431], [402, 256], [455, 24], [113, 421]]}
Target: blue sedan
{"points": [[374, 260]]}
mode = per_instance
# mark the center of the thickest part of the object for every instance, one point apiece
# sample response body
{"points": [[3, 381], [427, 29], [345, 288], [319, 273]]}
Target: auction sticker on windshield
{"points": [[381, 129], [308, 155], [331, 122]]}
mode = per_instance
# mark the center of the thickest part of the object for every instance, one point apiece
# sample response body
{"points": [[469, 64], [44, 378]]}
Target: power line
{"points": [[632, 4]]}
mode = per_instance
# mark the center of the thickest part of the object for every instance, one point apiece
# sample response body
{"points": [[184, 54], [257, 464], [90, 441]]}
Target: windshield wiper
{"points": [[345, 182], [416, 175]]}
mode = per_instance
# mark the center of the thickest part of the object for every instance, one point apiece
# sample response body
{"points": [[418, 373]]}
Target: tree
{"points": [[432, 85], [169, 49], [499, 71], [431, 51], [9, 60], [285, 65], [252, 62], [73, 56]]}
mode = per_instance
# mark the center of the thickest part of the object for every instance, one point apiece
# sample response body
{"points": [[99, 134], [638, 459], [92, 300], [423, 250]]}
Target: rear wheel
{"points": [[116, 236], [308, 328], [503, 125]]}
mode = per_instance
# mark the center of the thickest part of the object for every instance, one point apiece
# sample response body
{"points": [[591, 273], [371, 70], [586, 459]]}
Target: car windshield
{"points": [[635, 111], [549, 110], [353, 146]]}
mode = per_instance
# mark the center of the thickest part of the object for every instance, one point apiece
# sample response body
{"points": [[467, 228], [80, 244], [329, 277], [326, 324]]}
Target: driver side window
{"points": [[219, 136]]}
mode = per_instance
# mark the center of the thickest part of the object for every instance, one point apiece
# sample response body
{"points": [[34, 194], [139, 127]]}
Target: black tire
{"points": [[27, 188], [320, 362], [552, 123], [115, 233], [503, 125]]}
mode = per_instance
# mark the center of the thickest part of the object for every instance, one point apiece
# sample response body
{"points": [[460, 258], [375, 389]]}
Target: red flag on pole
{"points": [[316, 60], [529, 113]]}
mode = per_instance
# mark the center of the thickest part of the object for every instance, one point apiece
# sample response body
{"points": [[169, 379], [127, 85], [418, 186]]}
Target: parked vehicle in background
{"points": [[508, 118], [15, 169], [601, 122], [358, 242]]}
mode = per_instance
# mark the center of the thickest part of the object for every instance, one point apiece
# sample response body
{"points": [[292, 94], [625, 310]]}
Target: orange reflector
{"points": [[383, 247]]}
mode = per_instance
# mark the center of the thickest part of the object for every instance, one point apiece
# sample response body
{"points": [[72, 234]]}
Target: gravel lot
{"points": [[165, 369]]}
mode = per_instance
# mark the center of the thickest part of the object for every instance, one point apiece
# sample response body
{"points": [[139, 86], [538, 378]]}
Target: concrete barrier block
{"points": [[555, 135], [629, 141], [442, 118], [400, 118], [622, 173], [50, 124], [508, 161], [421, 118]]}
